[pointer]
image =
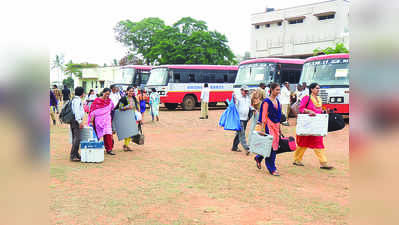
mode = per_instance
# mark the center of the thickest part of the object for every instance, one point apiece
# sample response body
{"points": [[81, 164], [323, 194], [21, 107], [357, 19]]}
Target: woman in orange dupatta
{"points": [[270, 116]]}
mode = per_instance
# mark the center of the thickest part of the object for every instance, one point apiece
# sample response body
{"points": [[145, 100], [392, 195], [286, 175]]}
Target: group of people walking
{"points": [[56, 98], [100, 111], [267, 108]]}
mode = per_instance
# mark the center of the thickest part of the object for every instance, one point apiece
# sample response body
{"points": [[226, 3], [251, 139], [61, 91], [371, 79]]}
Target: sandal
{"points": [[126, 148], [258, 164], [275, 173], [297, 164], [326, 167]]}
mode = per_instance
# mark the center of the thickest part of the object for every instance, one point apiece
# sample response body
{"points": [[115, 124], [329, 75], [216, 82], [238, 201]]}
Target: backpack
{"points": [[66, 115]]}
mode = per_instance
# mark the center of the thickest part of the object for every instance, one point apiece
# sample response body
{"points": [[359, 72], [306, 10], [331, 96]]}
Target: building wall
{"points": [[93, 77], [302, 38]]}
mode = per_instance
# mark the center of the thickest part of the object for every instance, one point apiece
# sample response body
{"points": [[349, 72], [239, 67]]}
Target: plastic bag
{"points": [[232, 119]]}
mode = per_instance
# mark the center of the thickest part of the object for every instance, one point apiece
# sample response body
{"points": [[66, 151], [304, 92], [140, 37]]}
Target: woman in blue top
{"points": [[269, 120], [142, 98]]}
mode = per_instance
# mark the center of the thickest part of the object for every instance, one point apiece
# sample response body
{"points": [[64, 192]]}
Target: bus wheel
{"points": [[188, 102], [171, 106]]}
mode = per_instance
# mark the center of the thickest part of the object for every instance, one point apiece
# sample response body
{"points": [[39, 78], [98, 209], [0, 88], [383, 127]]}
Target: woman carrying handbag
{"points": [[311, 105]]}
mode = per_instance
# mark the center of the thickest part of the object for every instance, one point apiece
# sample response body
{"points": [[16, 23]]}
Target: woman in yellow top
{"points": [[128, 102]]}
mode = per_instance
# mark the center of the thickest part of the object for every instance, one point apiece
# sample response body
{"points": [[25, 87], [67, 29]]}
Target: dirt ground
{"points": [[186, 173]]}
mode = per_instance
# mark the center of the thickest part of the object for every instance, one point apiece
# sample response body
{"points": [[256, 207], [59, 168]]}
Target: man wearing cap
{"points": [[243, 103], [285, 100], [260, 93]]}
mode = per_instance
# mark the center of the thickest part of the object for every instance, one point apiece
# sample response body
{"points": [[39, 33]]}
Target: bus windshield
{"points": [[326, 72], [158, 76], [255, 73], [144, 77], [126, 76]]}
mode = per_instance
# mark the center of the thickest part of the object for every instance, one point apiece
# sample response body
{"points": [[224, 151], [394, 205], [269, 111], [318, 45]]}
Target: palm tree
{"points": [[58, 64], [115, 62]]}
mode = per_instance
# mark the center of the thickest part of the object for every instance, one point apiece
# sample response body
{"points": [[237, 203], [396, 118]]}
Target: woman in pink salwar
{"points": [[100, 118], [311, 105]]}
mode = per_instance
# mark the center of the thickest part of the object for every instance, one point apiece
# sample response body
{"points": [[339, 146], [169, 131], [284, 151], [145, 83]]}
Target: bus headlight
{"points": [[337, 100]]}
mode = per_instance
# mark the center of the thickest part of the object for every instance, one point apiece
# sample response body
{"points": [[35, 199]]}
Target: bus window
{"points": [[205, 78], [219, 78], [212, 78], [177, 77], [226, 78], [232, 77], [191, 77]]}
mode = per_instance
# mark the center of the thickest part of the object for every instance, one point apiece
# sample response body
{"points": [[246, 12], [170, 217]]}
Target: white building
{"points": [[297, 31]]}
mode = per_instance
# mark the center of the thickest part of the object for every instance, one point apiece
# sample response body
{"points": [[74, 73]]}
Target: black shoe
{"points": [[206, 117], [111, 153], [235, 150], [201, 118], [248, 152], [79, 157], [258, 164], [326, 167]]}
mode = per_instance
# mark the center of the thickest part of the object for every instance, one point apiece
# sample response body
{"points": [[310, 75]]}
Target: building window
{"points": [[295, 21], [280, 23], [267, 25], [101, 84], [327, 17], [257, 26]]}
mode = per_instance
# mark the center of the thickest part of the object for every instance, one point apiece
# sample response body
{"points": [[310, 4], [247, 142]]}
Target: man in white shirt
{"points": [[77, 124], [204, 101], [285, 100], [243, 103], [305, 90], [115, 95]]}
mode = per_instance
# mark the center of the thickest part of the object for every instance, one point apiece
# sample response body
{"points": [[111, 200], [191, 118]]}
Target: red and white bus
{"points": [[133, 74], [331, 72], [182, 84], [266, 70]]}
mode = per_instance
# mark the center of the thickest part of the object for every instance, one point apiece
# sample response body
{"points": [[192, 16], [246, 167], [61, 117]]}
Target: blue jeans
{"points": [[270, 161]]}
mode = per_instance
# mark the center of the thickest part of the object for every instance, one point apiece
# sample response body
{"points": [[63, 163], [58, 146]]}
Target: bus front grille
{"points": [[324, 96]]}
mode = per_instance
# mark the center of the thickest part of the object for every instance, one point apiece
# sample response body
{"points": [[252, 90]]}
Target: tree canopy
{"points": [[339, 48], [76, 68], [68, 82], [188, 41]]}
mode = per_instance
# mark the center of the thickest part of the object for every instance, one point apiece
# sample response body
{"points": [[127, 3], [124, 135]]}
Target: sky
{"points": [[83, 30]]}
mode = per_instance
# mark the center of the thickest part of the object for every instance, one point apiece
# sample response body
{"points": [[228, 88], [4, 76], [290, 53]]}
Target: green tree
{"points": [[115, 62], [76, 68], [188, 41], [339, 48], [68, 82]]}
